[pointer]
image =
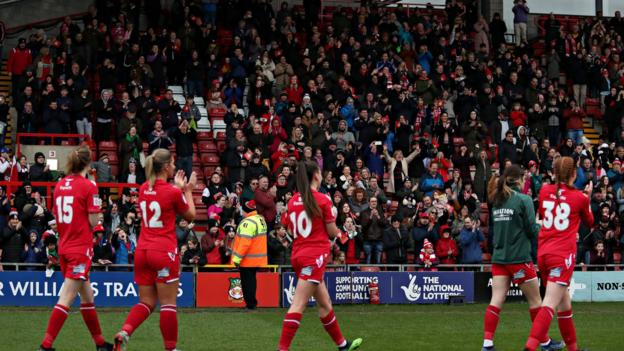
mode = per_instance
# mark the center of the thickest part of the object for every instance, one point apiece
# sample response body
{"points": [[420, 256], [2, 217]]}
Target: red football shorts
{"points": [[151, 267], [75, 266], [518, 272], [556, 269], [310, 268]]}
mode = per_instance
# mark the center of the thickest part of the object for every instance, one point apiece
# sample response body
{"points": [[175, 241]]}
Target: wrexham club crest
{"points": [[235, 292]]}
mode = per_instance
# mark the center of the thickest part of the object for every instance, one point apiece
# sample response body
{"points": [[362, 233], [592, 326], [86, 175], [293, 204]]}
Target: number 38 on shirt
{"points": [[557, 216]]}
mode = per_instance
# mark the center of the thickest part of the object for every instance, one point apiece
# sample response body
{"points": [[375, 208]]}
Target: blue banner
{"points": [[580, 288], [430, 287], [111, 289], [394, 287]]}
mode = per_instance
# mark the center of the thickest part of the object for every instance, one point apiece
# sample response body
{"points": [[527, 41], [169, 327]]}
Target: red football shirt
{"points": [[75, 197], [159, 207], [310, 235], [561, 219]]}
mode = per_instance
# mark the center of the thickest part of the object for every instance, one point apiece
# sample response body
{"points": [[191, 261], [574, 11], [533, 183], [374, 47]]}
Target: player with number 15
{"points": [[157, 260], [76, 208], [562, 208]]}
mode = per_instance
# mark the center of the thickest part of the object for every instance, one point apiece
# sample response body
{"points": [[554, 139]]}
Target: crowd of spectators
{"points": [[408, 116]]}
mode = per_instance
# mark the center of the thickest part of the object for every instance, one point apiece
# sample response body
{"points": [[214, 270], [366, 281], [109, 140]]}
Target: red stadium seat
{"points": [[221, 146], [207, 147], [210, 160], [107, 145], [216, 113], [221, 136], [205, 136]]}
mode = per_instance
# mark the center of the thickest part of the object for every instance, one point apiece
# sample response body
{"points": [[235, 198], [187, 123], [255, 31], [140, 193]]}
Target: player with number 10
{"points": [[562, 208], [157, 261], [76, 208], [311, 218]]}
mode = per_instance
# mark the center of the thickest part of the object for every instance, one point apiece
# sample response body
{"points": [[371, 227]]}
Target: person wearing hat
{"points": [[396, 242], [249, 251], [19, 59], [102, 248], [12, 240], [427, 257], [424, 228], [128, 120], [40, 172]]}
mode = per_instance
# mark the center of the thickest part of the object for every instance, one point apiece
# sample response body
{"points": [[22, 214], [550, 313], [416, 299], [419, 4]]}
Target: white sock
{"points": [[344, 343], [545, 343], [488, 343]]}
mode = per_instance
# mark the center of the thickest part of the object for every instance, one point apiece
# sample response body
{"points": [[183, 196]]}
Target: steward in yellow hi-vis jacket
{"points": [[249, 251]]}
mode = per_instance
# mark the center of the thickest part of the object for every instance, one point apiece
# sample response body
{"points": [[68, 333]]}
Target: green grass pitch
{"points": [[424, 327]]}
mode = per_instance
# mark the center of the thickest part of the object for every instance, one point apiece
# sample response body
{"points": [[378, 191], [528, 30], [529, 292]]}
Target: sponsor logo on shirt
{"points": [[97, 202]]}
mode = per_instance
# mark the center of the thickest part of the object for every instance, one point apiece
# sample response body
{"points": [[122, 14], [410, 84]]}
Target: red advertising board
{"points": [[224, 290]]}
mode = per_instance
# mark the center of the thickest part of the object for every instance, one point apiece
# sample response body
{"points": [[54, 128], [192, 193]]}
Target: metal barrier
{"points": [[346, 268]]}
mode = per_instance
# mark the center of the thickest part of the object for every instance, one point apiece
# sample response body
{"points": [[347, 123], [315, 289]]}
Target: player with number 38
{"points": [[561, 208]]}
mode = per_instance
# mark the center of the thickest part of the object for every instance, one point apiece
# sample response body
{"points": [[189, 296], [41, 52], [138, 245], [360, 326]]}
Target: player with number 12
{"points": [[311, 218], [562, 208], [157, 260]]}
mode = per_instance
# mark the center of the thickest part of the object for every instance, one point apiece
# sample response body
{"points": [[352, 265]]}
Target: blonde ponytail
{"points": [[155, 163]]}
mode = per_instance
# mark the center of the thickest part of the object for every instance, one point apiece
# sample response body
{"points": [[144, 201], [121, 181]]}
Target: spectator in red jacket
{"points": [[517, 116], [265, 201], [213, 245], [446, 247], [574, 121], [19, 59], [294, 91]]}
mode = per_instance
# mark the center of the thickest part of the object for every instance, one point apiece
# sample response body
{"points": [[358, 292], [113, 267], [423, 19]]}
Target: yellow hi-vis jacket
{"points": [[250, 243]]}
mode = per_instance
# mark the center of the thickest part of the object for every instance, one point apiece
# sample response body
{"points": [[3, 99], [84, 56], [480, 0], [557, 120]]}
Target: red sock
{"points": [[289, 329], [138, 314], [57, 318], [91, 320], [533, 312], [539, 330], [330, 323], [566, 326], [169, 325], [490, 322]]}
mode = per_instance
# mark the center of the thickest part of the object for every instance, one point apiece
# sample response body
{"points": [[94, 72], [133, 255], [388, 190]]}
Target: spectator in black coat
{"points": [[373, 224], [54, 120], [184, 137], [396, 242], [12, 240], [507, 150], [169, 109]]}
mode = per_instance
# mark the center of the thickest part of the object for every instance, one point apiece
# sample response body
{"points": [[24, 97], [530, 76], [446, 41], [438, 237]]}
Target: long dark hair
{"points": [[305, 174], [504, 184]]}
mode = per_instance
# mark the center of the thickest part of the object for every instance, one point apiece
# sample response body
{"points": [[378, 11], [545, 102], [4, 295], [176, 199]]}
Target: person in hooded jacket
{"points": [[424, 229], [396, 242], [446, 247]]}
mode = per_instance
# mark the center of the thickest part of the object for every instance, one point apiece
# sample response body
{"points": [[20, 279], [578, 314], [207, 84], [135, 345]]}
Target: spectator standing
{"points": [[158, 138], [398, 167], [574, 122], [521, 18], [193, 254], [124, 248], [446, 247], [425, 228], [279, 246], [102, 247], [184, 137], [19, 59], [265, 199], [432, 180], [396, 242], [130, 147], [498, 28], [104, 115], [13, 239], [470, 239], [373, 224]]}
